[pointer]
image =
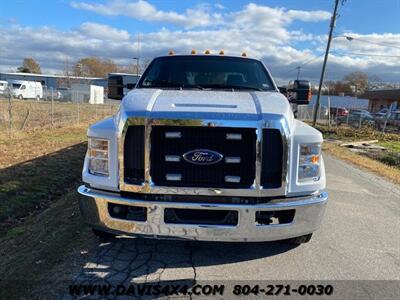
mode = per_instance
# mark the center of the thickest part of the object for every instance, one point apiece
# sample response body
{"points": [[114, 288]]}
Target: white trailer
{"points": [[87, 93]]}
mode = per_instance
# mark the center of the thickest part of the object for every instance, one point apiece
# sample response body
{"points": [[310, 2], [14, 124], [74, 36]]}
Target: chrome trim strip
{"points": [[278, 203], [256, 190], [235, 179], [173, 177], [234, 136], [232, 160], [173, 135], [172, 158]]}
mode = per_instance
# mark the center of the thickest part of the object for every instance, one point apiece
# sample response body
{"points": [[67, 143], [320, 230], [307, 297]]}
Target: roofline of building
{"points": [[118, 73], [48, 75], [382, 90]]}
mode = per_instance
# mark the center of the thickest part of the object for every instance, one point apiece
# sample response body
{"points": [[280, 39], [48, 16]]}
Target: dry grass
{"points": [[379, 168], [351, 134], [36, 168], [40, 224]]}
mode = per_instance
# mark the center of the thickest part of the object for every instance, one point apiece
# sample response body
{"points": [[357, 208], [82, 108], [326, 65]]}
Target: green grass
{"points": [[14, 232], [394, 146]]}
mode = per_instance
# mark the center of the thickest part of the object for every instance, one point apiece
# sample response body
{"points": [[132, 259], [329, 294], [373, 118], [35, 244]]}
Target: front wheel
{"points": [[300, 239], [20, 97], [38, 98]]}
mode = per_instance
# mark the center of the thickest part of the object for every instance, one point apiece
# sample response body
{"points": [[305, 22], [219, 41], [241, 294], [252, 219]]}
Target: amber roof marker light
{"points": [[207, 52], [193, 52], [171, 52], [244, 54], [221, 52]]}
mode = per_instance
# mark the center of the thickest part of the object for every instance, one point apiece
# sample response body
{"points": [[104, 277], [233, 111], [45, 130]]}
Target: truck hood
{"points": [[211, 105]]}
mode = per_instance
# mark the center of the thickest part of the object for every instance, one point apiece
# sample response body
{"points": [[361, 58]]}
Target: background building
{"points": [[384, 98], [54, 81]]}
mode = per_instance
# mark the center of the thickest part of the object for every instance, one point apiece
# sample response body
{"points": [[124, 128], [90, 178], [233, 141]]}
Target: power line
{"points": [[305, 63], [351, 38], [371, 54]]}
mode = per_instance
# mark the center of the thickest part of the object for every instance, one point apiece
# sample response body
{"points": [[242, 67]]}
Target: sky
{"points": [[284, 34]]}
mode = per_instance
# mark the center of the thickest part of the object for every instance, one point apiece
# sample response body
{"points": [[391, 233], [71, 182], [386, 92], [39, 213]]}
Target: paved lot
{"points": [[359, 239]]}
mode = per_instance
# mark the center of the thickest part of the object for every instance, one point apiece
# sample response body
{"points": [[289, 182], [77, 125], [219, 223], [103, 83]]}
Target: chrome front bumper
{"points": [[308, 216]]}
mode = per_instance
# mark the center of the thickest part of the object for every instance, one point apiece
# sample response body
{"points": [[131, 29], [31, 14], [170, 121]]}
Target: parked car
{"points": [[392, 121], [338, 111], [382, 113], [357, 117]]}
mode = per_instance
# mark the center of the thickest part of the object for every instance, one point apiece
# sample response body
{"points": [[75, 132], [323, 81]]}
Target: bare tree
{"points": [[29, 65], [95, 67], [357, 81]]}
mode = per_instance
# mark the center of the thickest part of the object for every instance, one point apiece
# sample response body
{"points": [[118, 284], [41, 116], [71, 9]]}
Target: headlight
{"points": [[309, 162], [98, 156]]}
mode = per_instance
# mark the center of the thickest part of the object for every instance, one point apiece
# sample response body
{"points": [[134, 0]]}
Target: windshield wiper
{"points": [[161, 83], [171, 84], [233, 87]]}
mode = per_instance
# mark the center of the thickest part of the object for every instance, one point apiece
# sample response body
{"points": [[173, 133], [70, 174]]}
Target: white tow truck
{"points": [[205, 148]]}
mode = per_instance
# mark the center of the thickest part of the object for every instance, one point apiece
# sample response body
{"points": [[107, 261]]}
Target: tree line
{"points": [[353, 84], [84, 67]]}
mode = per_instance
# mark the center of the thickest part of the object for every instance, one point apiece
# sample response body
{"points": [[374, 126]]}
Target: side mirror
{"points": [[130, 86], [299, 92], [115, 87], [283, 90]]}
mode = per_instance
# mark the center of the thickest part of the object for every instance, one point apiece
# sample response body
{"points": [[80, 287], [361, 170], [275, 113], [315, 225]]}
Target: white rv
{"points": [[23, 89]]}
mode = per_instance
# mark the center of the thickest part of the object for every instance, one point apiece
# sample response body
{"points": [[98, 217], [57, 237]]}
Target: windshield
{"points": [[206, 72], [16, 85]]}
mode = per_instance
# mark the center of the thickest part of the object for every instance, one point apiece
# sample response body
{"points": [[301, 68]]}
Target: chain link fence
{"points": [[385, 121], [56, 108]]}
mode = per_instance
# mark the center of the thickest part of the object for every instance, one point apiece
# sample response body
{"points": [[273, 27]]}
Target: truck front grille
{"points": [[134, 155], [272, 159], [236, 168]]}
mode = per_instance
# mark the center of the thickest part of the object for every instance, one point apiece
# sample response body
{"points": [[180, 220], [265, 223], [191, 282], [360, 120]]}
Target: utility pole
{"points": [[321, 81], [137, 65], [298, 72]]}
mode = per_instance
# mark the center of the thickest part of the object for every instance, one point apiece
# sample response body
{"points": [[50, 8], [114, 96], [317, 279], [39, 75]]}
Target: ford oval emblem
{"points": [[202, 157]]}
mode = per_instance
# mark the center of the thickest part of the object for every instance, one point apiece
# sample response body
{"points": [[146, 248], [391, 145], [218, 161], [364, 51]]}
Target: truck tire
{"points": [[103, 234], [38, 98], [300, 239], [20, 97]]}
